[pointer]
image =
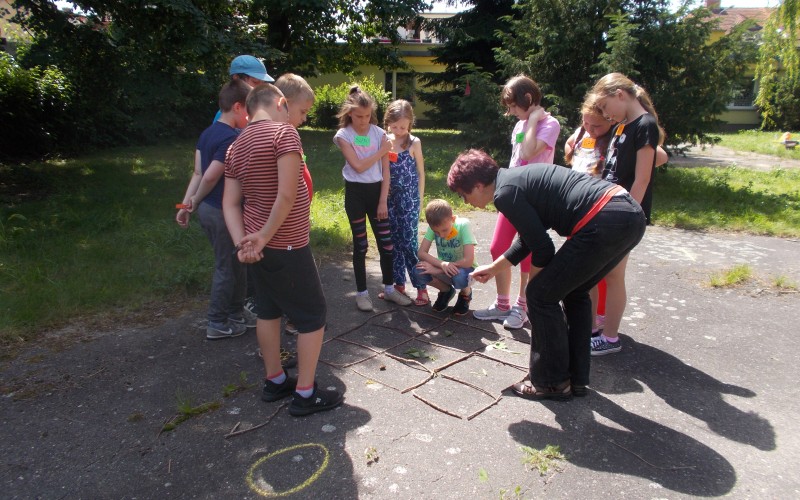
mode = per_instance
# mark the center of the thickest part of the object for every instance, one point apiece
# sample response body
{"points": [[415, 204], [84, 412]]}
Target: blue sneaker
{"points": [[227, 330]]}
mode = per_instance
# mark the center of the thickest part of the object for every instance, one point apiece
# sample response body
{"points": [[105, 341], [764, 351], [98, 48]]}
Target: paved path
{"points": [[720, 156], [702, 400]]}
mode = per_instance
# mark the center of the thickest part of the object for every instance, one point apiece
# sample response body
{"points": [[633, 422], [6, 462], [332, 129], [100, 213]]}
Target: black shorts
{"points": [[287, 282]]}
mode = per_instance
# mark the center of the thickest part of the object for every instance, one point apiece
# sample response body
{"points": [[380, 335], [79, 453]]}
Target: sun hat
{"points": [[250, 66]]}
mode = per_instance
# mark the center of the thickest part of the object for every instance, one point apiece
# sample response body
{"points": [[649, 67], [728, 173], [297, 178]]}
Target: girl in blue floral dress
{"points": [[406, 190]]}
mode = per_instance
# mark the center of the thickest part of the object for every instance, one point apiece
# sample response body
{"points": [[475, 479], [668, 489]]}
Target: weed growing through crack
{"points": [[732, 277], [371, 454], [542, 460], [242, 385], [515, 493], [187, 410], [783, 283]]}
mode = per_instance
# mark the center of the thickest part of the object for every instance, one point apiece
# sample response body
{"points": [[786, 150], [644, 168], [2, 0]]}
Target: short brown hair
{"points": [[437, 211], [261, 97], [232, 92], [521, 91]]}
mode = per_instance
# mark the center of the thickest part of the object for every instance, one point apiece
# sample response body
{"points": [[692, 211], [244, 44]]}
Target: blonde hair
{"points": [[608, 86], [396, 111], [437, 211], [261, 97], [521, 91], [356, 98], [294, 87]]}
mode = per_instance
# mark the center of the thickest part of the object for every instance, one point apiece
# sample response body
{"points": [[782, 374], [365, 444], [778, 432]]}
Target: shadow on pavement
{"points": [[622, 442], [684, 388]]}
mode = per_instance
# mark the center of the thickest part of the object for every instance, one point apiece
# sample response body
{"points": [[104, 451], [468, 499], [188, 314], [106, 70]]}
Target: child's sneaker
{"points": [[275, 392], [227, 330], [364, 303], [397, 297], [516, 318], [443, 299], [601, 347], [320, 400], [493, 312], [246, 318], [290, 328], [250, 304], [462, 304]]}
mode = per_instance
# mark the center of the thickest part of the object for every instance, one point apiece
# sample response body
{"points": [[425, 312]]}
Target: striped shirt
{"points": [[253, 160]]}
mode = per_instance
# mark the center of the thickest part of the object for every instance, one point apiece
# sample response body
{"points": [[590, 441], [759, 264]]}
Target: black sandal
{"points": [[526, 389]]}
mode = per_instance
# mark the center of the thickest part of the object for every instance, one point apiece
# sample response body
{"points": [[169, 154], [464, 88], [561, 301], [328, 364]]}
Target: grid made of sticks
{"points": [[411, 336]]}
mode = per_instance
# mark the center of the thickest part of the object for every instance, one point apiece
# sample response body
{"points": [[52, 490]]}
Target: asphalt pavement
{"points": [[701, 402]]}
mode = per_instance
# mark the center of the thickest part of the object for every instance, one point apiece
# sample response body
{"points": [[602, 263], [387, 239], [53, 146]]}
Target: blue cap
{"points": [[250, 66]]}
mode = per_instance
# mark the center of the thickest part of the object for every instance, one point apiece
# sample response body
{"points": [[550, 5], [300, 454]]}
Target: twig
{"points": [[236, 433], [169, 466], [447, 412], [358, 326], [497, 400], [374, 379], [677, 467]]}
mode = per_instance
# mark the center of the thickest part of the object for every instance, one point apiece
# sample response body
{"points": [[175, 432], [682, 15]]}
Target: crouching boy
{"points": [[455, 248]]}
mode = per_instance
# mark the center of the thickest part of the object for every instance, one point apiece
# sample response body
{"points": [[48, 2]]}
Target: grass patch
{"points": [[731, 277], [542, 460], [730, 199], [756, 141], [783, 283]]}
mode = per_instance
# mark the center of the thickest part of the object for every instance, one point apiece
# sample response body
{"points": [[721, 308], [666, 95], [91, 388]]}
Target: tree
{"points": [[327, 36], [778, 69], [468, 40], [144, 71], [566, 45], [557, 44]]}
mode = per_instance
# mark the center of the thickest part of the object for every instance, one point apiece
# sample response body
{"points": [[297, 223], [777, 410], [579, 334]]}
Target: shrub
{"points": [[328, 99], [35, 109]]}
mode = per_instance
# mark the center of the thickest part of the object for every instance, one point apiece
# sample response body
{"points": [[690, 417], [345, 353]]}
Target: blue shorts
{"points": [[459, 281]]}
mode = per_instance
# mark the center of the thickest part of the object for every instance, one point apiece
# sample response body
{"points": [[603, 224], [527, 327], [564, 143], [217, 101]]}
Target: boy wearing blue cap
{"points": [[248, 69]]}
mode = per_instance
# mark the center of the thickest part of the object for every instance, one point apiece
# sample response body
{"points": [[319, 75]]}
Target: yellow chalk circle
{"points": [[270, 493]]}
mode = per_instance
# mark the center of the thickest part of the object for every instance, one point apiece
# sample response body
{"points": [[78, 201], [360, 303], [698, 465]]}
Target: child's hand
{"points": [[449, 269], [193, 202], [383, 210], [386, 145], [182, 218], [426, 267], [537, 115], [250, 248]]}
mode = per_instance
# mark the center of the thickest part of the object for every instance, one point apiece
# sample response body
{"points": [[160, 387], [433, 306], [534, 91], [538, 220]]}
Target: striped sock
{"points": [[522, 302], [504, 302], [306, 392], [277, 378]]}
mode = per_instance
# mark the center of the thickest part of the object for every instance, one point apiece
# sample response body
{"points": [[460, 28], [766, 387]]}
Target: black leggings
{"points": [[360, 204]]}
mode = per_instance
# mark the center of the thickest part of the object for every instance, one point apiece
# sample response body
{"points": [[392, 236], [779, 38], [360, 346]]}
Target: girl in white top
{"points": [[364, 146]]}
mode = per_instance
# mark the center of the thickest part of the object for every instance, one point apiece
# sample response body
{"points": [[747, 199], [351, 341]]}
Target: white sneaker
{"points": [[398, 298], [492, 313], [364, 303], [516, 318]]}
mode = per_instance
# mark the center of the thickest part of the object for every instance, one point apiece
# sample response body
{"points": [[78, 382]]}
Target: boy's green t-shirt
{"points": [[452, 250]]}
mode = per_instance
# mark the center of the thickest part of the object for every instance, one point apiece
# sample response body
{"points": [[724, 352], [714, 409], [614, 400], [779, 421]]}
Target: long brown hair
{"points": [[608, 86], [589, 107], [356, 98]]}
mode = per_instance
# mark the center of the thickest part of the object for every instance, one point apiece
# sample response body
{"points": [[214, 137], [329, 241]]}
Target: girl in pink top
{"points": [[532, 141]]}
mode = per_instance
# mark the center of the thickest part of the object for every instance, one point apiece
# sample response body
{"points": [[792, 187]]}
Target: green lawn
{"points": [[756, 141], [94, 234]]}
